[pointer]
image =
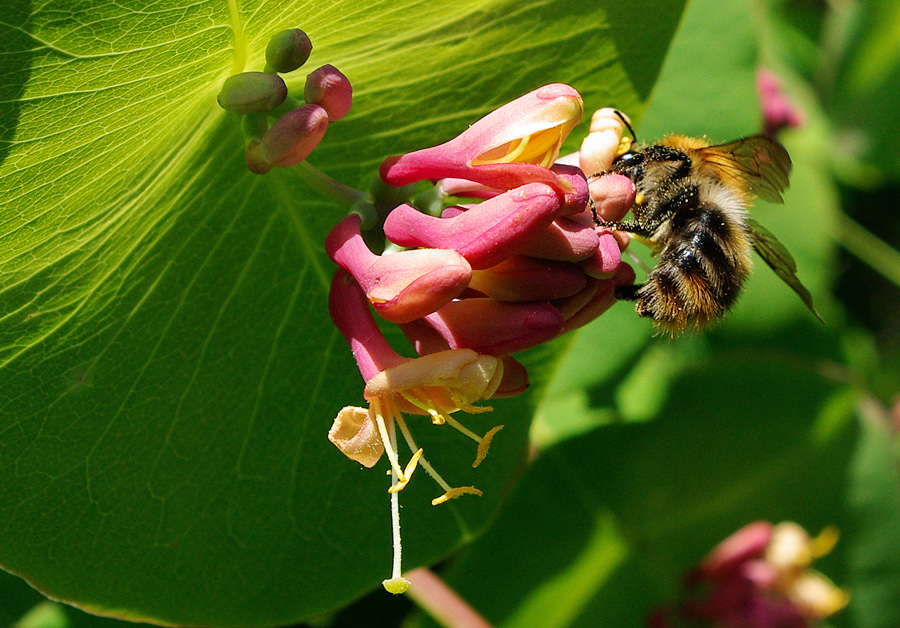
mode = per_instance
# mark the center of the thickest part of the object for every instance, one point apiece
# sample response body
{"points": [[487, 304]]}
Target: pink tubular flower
{"points": [[494, 327], [511, 146], [437, 385], [760, 577], [401, 286], [485, 235]]}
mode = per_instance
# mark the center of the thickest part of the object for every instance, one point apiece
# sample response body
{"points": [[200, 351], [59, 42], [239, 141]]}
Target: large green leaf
{"points": [[169, 369]]}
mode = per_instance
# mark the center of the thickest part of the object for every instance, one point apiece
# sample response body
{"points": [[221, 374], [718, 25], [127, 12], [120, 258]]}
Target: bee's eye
{"points": [[626, 157]]}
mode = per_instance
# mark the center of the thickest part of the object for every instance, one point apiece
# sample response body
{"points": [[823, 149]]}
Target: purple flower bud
{"points": [[294, 136], [521, 278], [400, 286], [329, 88], [495, 328], [252, 92], [511, 146], [288, 50], [486, 234]]}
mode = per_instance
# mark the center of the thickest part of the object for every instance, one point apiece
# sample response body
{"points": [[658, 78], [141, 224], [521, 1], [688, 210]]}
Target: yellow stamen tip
{"points": [[825, 542], [453, 493], [484, 444], [396, 586], [407, 473]]}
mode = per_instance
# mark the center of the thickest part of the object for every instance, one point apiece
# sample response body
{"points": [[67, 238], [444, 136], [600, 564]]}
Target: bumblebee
{"points": [[691, 203]]}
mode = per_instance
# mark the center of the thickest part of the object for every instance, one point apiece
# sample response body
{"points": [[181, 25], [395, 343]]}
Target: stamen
{"points": [[462, 428], [416, 399], [425, 464], [825, 542], [407, 473], [453, 493], [388, 437], [484, 445]]}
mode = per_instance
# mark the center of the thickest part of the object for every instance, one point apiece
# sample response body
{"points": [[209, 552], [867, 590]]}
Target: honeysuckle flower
{"points": [[328, 87], [288, 50], [606, 258], [511, 146], [760, 577], [778, 110], [289, 140], [486, 234], [565, 240], [252, 92], [436, 385], [401, 286], [522, 278], [493, 327]]}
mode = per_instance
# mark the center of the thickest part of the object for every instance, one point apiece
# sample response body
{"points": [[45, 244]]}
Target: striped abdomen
{"points": [[700, 271]]}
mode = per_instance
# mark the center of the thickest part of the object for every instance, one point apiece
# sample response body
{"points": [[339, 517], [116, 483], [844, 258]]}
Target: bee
{"points": [[691, 203]]}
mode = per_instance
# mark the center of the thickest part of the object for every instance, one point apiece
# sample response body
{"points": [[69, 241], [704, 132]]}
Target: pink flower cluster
{"points": [[760, 577], [476, 282], [280, 130]]}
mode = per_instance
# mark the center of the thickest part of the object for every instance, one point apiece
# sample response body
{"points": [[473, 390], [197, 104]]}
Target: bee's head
{"points": [[630, 164]]}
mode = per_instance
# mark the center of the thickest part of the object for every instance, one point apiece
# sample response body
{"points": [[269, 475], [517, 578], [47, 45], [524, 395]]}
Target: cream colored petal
{"points": [[356, 435]]}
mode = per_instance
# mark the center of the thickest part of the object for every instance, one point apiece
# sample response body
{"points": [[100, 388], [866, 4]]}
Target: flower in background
{"points": [[761, 577], [778, 109]]}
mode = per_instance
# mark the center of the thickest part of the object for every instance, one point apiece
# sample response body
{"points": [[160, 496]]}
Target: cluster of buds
{"points": [[281, 130], [761, 577], [470, 284]]}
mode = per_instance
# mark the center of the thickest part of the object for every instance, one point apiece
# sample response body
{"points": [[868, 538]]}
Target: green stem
{"points": [[238, 39], [870, 249], [325, 185]]}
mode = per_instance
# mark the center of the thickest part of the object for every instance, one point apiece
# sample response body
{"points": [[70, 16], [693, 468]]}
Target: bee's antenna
{"points": [[626, 123]]}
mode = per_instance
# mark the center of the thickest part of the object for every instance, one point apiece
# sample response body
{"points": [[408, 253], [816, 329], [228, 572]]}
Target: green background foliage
{"points": [[169, 370]]}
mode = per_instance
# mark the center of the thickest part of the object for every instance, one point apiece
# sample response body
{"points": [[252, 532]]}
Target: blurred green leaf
{"points": [[169, 366], [604, 526]]}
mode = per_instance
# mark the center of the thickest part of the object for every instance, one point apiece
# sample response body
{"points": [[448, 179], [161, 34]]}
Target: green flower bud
{"points": [[288, 50], [252, 92]]}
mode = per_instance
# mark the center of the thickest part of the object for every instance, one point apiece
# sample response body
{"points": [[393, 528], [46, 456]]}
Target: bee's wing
{"points": [[762, 162], [780, 260]]}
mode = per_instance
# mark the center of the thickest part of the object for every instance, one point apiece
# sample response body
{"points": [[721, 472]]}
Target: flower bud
{"points": [[613, 196], [565, 240], [521, 278], [329, 88], [400, 286], [486, 234], [495, 328], [288, 50], [252, 92], [294, 136], [606, 258]]}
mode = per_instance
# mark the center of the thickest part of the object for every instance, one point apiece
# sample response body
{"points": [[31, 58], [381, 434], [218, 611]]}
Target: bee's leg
{"points": [[628, 293], [631, 226]]}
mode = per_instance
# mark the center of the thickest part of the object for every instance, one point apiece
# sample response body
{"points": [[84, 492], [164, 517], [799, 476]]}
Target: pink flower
{"points": [[760, 577], [401, 286], [486, 234], [511, 146]]}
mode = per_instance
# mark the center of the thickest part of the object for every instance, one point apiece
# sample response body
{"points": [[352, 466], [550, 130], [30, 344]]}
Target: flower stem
{"points": [[441, 602], [325, 185]]}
